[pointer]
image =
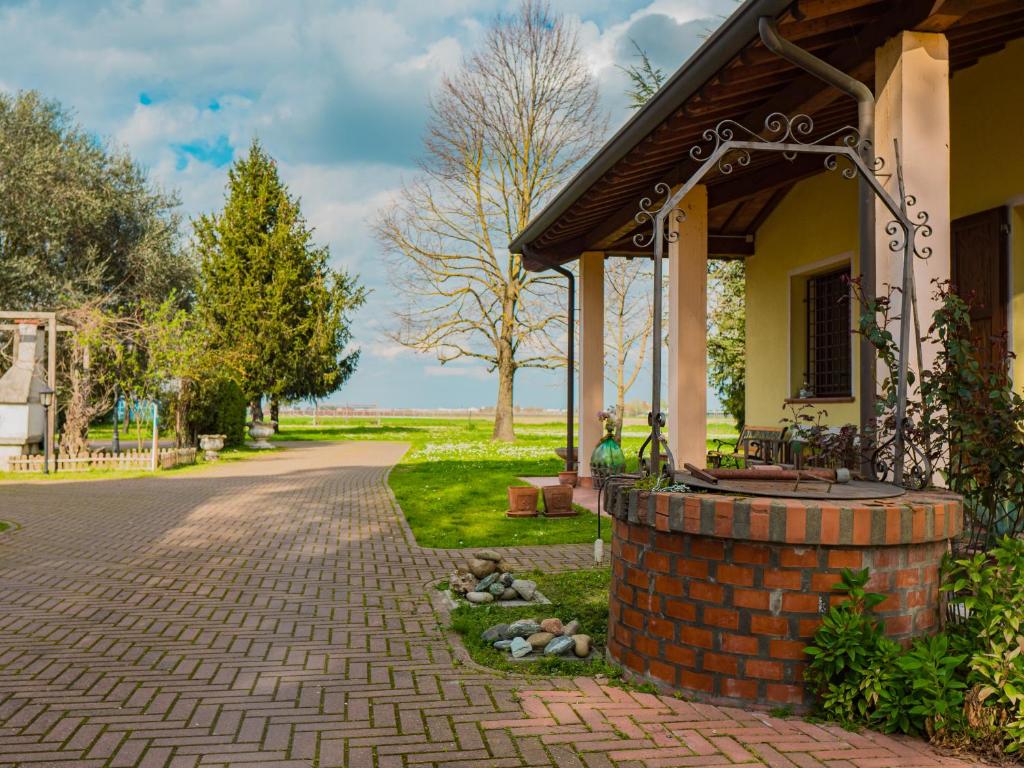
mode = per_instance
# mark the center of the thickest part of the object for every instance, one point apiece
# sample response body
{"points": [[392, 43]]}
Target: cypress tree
{"points": [[266, 291]]}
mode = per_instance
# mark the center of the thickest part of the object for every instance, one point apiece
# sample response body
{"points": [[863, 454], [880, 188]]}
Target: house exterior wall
{"points": [[816, 224]]}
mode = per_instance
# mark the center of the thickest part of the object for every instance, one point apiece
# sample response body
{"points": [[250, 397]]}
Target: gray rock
{"points": [[497, 632], [522, 628], [487, 554], [520, 647], [581, 645], [480, 597], [558, 645], [482, 568], [497, 589], [540, 639], [572, 628], [503, 567], [526, 588], [507, 579], [503, 645], [509, 594], [486, 582]]}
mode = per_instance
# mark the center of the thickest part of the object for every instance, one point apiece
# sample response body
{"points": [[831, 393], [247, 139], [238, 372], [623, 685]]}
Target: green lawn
{"points": [[581, 595], [452, 484]]}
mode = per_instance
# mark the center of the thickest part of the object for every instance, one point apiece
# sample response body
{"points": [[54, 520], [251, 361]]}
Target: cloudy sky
{"points": [[335, 89]]}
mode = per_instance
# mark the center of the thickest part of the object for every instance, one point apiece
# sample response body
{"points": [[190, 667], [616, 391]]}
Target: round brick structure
{"points": [[716, 596]]}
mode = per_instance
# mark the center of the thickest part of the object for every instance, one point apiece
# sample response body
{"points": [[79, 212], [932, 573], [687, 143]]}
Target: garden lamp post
{"points": [[115, 443], [46, 400]]}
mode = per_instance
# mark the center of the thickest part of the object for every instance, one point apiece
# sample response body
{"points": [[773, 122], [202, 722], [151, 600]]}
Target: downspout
{"points": [[570, 355], [865, 196], [570, 366]]}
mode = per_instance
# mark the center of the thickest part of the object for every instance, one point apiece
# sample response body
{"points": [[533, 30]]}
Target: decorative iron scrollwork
{"points": [[648, 215], [917, 465]]}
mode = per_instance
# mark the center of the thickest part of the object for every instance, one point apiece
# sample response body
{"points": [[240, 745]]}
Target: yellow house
{"points": [[942, 80]]}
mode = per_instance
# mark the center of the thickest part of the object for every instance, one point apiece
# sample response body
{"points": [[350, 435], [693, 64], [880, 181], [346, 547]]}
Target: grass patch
{"points": [[4, 526], [452, 484], [581, 595]]}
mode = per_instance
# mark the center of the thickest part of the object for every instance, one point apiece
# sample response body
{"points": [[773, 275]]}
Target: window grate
{"points": [[828, 335]]}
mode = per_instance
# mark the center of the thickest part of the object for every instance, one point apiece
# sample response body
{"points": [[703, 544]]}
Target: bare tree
{"points": [[505, 131], [629, 315]]}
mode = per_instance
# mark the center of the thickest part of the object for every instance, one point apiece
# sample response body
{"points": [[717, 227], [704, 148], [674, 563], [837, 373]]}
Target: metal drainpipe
{"points": [[810, 63], [570, 368], [570, 374]]}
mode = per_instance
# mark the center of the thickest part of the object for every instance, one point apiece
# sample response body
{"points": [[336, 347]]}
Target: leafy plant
{"points": [[843, 650], [963, 413], [863, 677]]}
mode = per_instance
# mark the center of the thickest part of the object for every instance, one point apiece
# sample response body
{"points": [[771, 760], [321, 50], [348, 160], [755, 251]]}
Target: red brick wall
{"points": [[727, 620]]}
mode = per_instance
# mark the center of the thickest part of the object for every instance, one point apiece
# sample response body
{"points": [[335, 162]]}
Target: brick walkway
{"points": [[274, 612]]}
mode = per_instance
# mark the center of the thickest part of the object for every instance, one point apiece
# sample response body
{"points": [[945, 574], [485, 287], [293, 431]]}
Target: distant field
{"points": [[452, 484]]}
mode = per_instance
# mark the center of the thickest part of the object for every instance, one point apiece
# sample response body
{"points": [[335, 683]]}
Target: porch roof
{"points": [[732, 75]]}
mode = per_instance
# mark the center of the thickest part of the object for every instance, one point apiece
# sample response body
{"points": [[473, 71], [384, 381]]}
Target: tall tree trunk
{"points": [[275, 410], [75, 434], [256, 408], [316, 412], [503, 415], [620, 410]]}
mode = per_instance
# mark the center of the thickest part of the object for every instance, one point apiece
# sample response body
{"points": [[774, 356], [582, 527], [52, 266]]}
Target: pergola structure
{"points": [[770, 56]]}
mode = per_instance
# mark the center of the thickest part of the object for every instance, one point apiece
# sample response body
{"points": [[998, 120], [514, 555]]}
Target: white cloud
{"points": [[459, 371]]}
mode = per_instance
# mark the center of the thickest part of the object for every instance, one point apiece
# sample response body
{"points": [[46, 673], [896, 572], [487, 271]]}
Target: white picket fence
{"points": [[131, 459]]}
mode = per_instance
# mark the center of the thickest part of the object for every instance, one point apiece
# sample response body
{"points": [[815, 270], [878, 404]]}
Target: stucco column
{"points": [[912, 92], [687, 330], [591, 292]]}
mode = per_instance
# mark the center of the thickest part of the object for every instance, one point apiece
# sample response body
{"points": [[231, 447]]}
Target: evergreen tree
{"points": [[266, 291]]}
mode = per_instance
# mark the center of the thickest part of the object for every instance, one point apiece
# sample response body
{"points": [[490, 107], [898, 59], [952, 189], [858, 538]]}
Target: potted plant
{"points": [[522, 501], [212, 444], [558, 501], [259, 431]]}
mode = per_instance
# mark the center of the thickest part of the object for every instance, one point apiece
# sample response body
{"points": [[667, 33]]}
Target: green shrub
{"points": [[218, 408], [990, 587], [863, 678]]}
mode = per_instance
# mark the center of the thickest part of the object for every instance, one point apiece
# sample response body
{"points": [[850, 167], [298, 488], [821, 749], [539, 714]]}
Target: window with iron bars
{"points": [[829, 347]]}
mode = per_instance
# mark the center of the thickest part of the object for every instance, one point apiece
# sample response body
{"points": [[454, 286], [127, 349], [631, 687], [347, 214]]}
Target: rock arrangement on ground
{"points": [[487, 579], [529, 638]]}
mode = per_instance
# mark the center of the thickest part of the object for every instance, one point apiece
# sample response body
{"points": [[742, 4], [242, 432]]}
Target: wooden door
{"points": [[980, 273]]}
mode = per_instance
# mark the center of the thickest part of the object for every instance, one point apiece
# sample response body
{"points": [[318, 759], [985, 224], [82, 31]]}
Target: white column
{"points": [[687, 330], [912, 94], [591, 292]]}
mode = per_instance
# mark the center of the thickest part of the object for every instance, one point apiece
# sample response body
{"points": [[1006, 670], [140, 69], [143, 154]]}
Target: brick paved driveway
{"points": [[274, 612]]}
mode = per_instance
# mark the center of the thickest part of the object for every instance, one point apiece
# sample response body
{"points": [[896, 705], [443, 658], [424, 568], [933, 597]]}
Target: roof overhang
{"points": [[732, 75]]}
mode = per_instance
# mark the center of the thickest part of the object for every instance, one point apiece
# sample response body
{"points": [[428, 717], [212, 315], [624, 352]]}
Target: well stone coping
{"points": [[917, 517]]}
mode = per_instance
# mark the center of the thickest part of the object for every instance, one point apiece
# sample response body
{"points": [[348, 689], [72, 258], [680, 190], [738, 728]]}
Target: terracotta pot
{"points": [[567, 478], [522, 501], [558, 501]]}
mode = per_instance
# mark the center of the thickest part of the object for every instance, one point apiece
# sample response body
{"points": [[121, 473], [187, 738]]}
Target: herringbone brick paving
{"points": [[275, 613]]}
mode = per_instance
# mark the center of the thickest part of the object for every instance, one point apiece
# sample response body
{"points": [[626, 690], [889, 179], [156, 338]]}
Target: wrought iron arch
{"points": [[728, 146]]}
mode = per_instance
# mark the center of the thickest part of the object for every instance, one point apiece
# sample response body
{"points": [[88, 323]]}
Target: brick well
{"points": [[716, 596]]}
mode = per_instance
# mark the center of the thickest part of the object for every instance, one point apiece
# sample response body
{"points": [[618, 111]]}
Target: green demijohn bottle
{"points": [[607, 458]]}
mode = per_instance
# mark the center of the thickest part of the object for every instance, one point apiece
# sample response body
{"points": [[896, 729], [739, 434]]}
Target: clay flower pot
{"points": [[567, 478], [558, 501], [522, 501], [212, 444]]}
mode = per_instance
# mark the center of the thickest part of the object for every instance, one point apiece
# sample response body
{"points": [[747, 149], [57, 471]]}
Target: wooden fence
{"points": [[131, 459]]}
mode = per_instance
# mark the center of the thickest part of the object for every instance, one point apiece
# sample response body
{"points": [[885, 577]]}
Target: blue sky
{"points": [[337, 91]]}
